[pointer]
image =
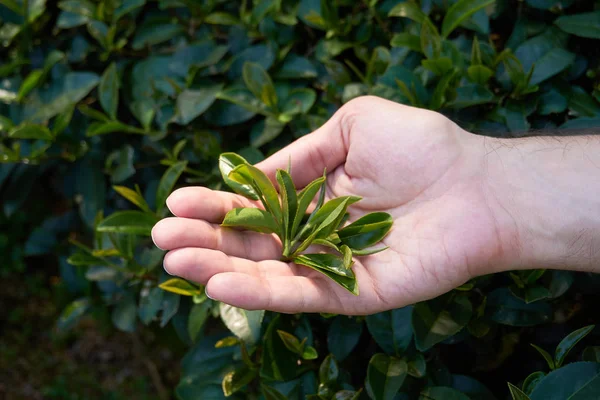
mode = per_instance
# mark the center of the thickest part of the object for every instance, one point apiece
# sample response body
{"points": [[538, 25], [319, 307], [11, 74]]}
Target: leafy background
{"points": [[106, 106]]}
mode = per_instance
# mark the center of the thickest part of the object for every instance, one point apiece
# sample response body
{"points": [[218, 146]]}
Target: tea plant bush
{"points": [[107, 105]]}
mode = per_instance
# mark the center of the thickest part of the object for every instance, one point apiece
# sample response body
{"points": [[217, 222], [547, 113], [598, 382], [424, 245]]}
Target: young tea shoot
{"points": [[285, 213]]}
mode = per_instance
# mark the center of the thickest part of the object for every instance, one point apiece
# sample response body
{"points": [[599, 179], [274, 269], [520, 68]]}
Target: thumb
{"points": [[311, 154]]}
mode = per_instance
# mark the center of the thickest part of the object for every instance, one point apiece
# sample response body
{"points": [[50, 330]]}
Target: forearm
{"points": [[545, 195]]}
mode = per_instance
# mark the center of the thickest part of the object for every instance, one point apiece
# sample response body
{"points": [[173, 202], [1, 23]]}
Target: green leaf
{"points": [[583, 25], [431, 42], [253, 219], [331, 266], [108, 91], [13, 5], [126, 7], [150, 305], [296, 67], [531, 381], [85, 259], [153, 33], [385, 376], [439, 66], [326, 218], [221, 18], [234, 381], [180, 286], [291, 342], [305, 197], [229, 341], [329, 370], [392, 330], [409, 10], [134, 197], [546, 356], [246, 173], [366, 231], [227, 162], [479, 74], [417, 366], [299, 101], [197, 318], [167, 183], [575, 381], [259, 83], [310, 353], [439, 319], [460, 11], [442, 393], [289, 202], [133, 222], [99, 31], [73, 88], [265, 131], [550, 64], [242, 323], [80, 7], [407, 40], [30, 131], [191, 103], [343, 336], [504, 308], [61, 122], [368, 252], [125, 314], [270, 393], [72, 313], [565, 345], [103, 128]]}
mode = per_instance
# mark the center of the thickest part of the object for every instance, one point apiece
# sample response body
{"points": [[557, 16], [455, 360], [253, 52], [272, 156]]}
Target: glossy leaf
{"points": [[531, 381], [516, 393], [583, 25], [329, 370], [253, 219], [246, 173], [565, 345], [331, 266], [289, 201], [460, 11], [343, 336], [242, 323], [180, 286], [366, 231], [134, 197], [385, 376], [167, 183], [291, 342], [392, 330], [133, 222], [506, 309], [191, 103], [108, 91], [305, 197], [408, 10], [546, 356], [30, 131], [72, 313], [260, 84], [124, 315], [576, 381], [227, 162], [439, 319], [270, 393], [234, 381], [410, 41]]}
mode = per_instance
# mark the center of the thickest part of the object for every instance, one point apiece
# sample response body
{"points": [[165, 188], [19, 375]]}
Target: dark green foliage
{"points": [[106, 106]]}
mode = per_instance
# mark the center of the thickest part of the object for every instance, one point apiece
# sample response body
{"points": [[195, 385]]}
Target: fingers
{"points": [[203, 203], [177, 233], [199, 265], [311, 154], [286, 294]]}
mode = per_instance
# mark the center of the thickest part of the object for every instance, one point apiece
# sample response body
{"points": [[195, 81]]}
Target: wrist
{"points": [[543, 193]]}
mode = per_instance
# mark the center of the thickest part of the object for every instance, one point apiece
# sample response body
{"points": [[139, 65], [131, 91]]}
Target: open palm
{"points": [[414, 164]]}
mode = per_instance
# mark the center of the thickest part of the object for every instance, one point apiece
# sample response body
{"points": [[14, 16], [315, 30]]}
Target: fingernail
{"points": [[208, 295]]}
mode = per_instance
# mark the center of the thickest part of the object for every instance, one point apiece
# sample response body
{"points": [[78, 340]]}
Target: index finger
{"points": [[203, 203]]}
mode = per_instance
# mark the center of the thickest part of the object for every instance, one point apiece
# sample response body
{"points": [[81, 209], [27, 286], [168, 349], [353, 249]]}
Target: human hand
{"points": [[414, 164]]}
